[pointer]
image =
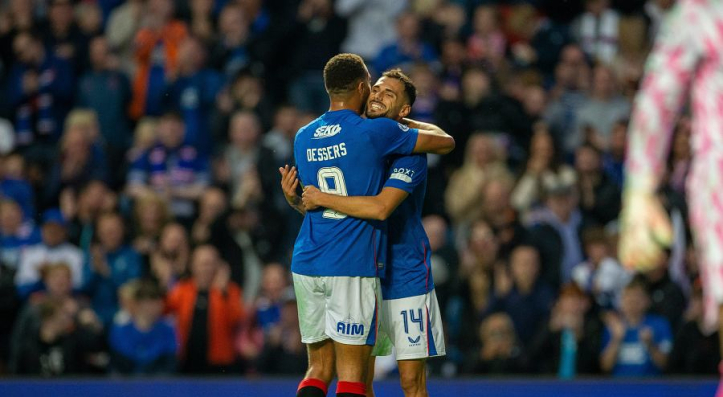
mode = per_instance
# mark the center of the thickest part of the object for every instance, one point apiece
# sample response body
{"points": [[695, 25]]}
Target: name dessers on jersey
{"points": [[344, 154]]}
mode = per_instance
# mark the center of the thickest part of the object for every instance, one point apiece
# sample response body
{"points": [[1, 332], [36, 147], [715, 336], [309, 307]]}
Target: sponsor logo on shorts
{"points": [[349, 327], [415, 341]]}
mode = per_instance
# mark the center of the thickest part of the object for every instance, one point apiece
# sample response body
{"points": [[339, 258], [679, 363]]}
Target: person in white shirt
{"points": [[53, 249]]}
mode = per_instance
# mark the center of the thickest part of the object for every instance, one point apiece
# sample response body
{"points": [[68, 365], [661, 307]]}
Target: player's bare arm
{"points": [[289, 183], [431, 138], [378, 207]]}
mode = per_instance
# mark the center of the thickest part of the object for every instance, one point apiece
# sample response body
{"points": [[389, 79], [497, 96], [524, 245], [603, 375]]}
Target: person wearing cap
{"points": [[54, 248], [555, 231]]}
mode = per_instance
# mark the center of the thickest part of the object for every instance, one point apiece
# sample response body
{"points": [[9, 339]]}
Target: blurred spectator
{"points": [[54, 248], [443, 259], [695, 348], [208, 308], [157, 46], [483, 162], [15, 235], [7, 136], [635, 343], [239, 236], [123, 25], [211, 206], [597, 30], [202, 21], [522, 294], [89, 18], [600, 275], [567, 96], [544, 166], [371, 24], [680, 161], [497, 210], [106, 90], [144, 137], [283, 352], [481, 251], [147, 344], [600, 197], [110, 264], [408, 47], [192, 92], [79, 324], [602, 109], [425, 80], [271, 298], [170, 259], [14, 184], [453, 59], [40, 91], [666, 297], [176, 171], [487, 43], [83, 209], [555, 231], [500, 352], [569, 344], [280, 139], [17, 16], [245, 92], [317, 36], [55, 347], [230, 54], [151, 214], [614, 157], [75, 165], [245, 161], [61, 34]]}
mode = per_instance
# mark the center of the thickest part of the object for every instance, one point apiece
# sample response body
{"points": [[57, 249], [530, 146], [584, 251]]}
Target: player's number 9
{"points": [[331, 180]]}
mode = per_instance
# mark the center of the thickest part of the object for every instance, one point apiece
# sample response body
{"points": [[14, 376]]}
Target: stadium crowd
{"points": [[143, 230]]}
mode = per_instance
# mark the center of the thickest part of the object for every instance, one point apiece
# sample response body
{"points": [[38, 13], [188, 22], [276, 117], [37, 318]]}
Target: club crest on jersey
{"points": [[403, 127], [326, 131]]}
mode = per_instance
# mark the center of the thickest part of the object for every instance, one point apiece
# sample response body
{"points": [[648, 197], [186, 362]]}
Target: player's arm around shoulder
{"points": [[430, 138]]}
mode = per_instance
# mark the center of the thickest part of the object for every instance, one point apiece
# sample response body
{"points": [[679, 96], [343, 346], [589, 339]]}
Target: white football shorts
{"points": [[413, 325], [345, 309]]}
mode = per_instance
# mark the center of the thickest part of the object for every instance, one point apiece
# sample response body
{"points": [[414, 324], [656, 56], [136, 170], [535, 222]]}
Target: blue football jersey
{"points": [[409, 270], [342, 153]]}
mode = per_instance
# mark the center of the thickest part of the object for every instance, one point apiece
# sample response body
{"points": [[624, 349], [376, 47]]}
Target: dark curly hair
{"points": [[343, 72], [410, 90]]}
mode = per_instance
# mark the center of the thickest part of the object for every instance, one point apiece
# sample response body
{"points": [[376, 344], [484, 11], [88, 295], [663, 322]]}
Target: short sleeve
{"points": [[390, 137], [407, 172]]}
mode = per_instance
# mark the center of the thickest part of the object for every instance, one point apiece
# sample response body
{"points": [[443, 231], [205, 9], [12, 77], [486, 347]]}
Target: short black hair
{"points": [[343, 72], [410, 90], [148, 290]]}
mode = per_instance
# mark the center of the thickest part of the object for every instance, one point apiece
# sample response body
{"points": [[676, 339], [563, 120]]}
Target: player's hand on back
{"points": [[310, 198], [289, 183]]}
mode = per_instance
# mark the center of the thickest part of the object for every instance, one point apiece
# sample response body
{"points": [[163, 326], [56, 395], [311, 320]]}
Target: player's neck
{"points": [[345, 104]]}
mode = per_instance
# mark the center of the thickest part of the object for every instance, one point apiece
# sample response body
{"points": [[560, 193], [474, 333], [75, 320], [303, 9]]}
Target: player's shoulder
{"points": [[386, 124], [418, 160]]}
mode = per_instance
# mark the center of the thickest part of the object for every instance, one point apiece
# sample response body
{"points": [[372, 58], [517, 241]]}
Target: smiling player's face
{"points": [[387, 99]]}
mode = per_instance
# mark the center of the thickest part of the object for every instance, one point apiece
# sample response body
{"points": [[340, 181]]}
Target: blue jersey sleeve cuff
{"points": [[400, 184]]}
